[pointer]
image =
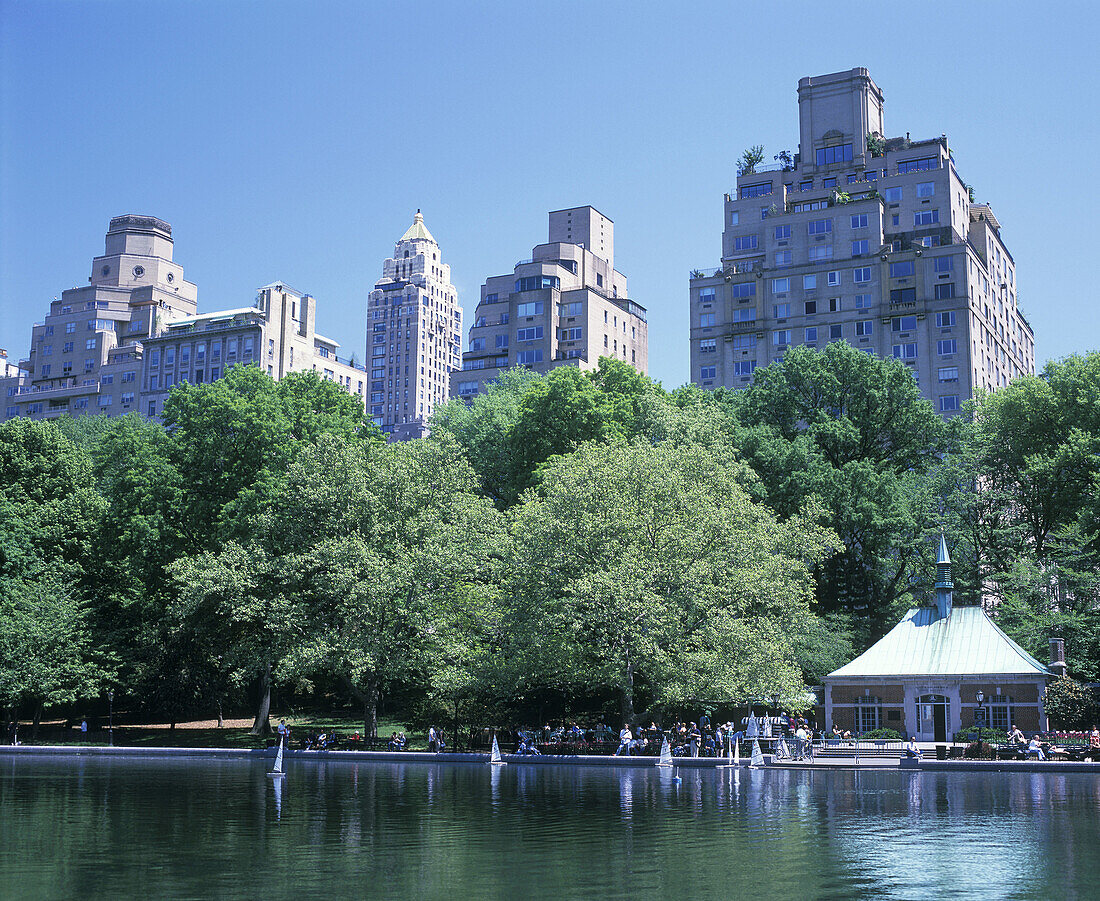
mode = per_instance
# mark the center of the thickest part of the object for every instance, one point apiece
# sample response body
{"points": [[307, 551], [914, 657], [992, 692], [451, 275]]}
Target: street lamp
{"points": [[979, 713], [111, 716]]}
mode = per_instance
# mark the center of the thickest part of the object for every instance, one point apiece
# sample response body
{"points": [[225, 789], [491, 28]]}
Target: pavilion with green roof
{"points": [[941, 669]]}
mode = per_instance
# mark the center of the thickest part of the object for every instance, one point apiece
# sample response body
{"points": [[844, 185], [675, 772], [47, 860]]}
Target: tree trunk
{"points": [[370, 710], [37, 721], [628, 691], [221, 719], [262, 723]]}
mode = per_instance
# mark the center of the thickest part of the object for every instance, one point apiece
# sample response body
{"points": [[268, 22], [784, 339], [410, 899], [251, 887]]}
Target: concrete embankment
{"points": [[837, 763]]}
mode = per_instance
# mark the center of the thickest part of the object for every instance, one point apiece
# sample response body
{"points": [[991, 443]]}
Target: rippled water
{"points": [[220, 829]]}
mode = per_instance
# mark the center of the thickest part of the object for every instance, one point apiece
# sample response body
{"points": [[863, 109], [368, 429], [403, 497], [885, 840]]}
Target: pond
{"points": [[166, 828]]}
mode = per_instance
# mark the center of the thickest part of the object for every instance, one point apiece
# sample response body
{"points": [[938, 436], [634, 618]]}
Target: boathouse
{"points": [[941, 669]]}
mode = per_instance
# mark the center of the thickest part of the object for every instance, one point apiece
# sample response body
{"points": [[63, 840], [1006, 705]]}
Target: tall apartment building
{"points": [[86, 355], [862, 238], [566, 306], [414, 335], [118, 344]]}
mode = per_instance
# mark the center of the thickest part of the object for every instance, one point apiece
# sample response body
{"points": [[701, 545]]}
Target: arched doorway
{"points": [[932, 712]]}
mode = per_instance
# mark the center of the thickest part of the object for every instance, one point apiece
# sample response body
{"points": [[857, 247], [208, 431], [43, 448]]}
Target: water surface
{"points": [[166, 828]]}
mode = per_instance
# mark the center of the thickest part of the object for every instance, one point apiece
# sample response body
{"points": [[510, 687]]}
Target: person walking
{"points": [[433, 740]]}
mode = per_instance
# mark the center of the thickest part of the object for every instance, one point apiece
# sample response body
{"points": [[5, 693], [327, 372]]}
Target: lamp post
{"points": [[979, 713], [111, 716]]}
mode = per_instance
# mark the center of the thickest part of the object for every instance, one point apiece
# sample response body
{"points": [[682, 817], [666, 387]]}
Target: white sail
{"points": [[495, 757], [666, 754], [277, 772], [783, 753], [757, 756], [737, 749]]}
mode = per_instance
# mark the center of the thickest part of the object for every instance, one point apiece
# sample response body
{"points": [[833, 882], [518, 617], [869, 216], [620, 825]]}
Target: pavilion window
{"points": [[868, 714], [1000, 712]]}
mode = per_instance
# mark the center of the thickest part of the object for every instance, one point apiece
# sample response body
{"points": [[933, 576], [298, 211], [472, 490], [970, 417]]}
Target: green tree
{"points": [[46, 650], [650, 562], [750, 159], [1070, 704], [852, 434]]}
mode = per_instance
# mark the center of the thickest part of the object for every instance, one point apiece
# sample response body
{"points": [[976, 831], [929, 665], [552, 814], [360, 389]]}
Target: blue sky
{"points": [[294, 142]]}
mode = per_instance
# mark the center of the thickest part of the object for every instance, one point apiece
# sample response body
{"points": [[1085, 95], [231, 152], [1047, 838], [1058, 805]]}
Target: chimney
{"points": [[1058, 657]]}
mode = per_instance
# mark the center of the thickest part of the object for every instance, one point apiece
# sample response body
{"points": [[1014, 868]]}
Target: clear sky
{"points": [[294, 142]]}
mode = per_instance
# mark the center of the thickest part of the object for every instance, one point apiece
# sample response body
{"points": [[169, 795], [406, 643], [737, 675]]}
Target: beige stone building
{"points": [[277, 333], [119, 343], [86, 355], [861, 238], [565, 306], [414, 335]]}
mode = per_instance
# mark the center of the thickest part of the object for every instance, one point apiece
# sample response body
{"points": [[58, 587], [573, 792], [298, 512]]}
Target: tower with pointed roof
{"points": [[414, 334]]}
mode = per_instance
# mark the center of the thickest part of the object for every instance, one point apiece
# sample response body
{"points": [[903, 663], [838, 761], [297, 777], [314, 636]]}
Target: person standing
{"points": [[694, 738], [625, 738], [433, 740]]}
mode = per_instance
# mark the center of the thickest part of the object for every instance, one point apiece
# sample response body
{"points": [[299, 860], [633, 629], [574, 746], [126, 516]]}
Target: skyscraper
{"points": [[566, 306], [414, 335], [862, 238]]}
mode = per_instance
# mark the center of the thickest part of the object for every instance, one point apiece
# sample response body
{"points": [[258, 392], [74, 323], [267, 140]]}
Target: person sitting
{"points": [[911, 749], [1035, 749], [1016, 737], [710, 747], [395, 743], [1094, 739]]}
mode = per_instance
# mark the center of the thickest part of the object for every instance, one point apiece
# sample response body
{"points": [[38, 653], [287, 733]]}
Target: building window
{"points": [[533, 308], [860, 248], [945, 291], [948, 373], [70, 328], [706, 320], [502, 341], [905, 351], [838, 153], [926, 189], [744, 342], [949, 403], [783, 258], [903, 323], [529, 334], [921, 165], [809, 282], [865, 328], [744, 368], [863, 273], [537, 283], [781, 310], [744, 289], [781, 338], [902, 269], [868, 714], [811, 335], [105, 400], [745, 242], [947, 347], [1000, 712], [527, 357], [859, 220], [834, 279], [811, 307], [821, 252], [945, 319], [782, 232], [707, 372], [475, 345], [745, 314], [835, 332], [708, 345], [892, 195], [781, 285], [903, 295], [735, 217], [820, 226], [944, 264], [757, 190], [926, 217]]}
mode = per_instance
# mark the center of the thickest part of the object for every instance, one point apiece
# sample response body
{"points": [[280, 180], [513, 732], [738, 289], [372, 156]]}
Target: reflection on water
{"points": [[95, 828]]}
